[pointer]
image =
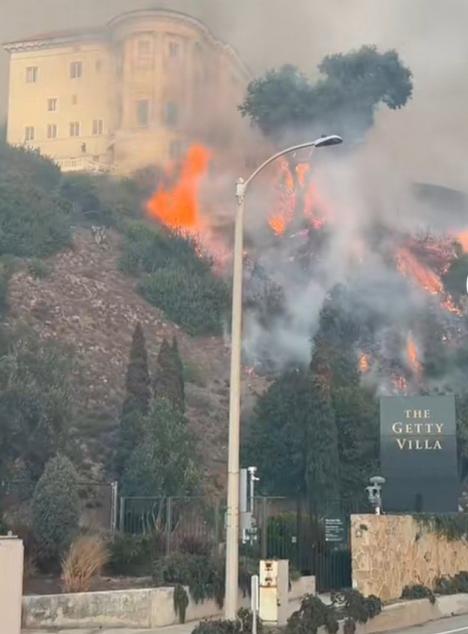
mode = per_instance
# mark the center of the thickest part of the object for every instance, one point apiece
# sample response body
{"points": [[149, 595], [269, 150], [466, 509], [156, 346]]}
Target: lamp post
{"points": [[232, 514]]}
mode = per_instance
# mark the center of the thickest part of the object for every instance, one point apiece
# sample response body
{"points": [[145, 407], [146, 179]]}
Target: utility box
{"points": [[274, 590], [11, 584]]}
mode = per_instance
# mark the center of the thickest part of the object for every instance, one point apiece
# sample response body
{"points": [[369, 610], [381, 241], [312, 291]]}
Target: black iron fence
{"points": [[315, 542]]}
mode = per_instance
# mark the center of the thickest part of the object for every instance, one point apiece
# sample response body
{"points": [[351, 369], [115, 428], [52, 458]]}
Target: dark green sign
{"points": [[418, 453], [335, 530]]}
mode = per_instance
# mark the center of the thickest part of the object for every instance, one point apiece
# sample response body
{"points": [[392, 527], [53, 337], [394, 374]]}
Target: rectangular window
{"points": [[98, 127], [98, 65], [143, 113], [29, 133], [52, 131], [74, 100], [174, 49], [74, 128], [52, 105], [144, 48], [171, 114], [76, 70], [31, 74], [175, 150]]}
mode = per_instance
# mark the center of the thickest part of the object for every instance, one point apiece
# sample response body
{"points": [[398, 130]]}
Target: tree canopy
{"points": [[342, 100]]}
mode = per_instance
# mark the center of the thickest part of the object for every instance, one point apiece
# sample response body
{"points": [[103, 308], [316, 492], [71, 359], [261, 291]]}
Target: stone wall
{"points": [[390, 552], [142, 608]]}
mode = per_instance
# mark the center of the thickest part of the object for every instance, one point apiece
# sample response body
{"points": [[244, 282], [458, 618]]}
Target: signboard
{"points": [[418, 453], [334, 530]]}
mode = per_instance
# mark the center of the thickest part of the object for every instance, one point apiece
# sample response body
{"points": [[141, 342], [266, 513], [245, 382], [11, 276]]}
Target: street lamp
{"points": [[232, 514]]}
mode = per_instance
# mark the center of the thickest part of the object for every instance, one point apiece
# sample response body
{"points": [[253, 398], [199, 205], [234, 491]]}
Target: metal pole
{"points": [[114, 504], [122, 515], [255, 601], [232, 514], [168, 524]]}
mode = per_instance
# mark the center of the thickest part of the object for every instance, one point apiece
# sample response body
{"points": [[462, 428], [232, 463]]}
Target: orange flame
{"points": [[412, 356], [462, 238], [400, 384], [316, 209], [364, 363], [302, 169], [409, 266], [283, 212], [178, 207]]}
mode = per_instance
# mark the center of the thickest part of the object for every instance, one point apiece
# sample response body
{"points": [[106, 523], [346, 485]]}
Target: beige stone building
{"points": [[135, 92]]}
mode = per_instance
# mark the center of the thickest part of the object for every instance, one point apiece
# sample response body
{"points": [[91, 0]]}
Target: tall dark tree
{"points": [[335, 361], [169, 376], [293, 439], [138, 384], [284, 102], [163, 463], [36, 410], [137, 398]]}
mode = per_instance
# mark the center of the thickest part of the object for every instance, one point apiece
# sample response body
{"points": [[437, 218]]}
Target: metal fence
{"points": [[314, 542], [99, 501]]}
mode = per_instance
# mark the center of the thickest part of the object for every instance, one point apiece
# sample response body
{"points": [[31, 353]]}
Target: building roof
{"points": [[55, 38]]}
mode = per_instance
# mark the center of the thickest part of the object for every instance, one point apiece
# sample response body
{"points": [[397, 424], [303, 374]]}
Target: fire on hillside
{"points": [[300, 220]]}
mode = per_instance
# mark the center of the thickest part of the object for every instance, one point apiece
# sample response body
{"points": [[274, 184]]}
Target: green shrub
{"points": [[452, 585], [5, 275], [418, 591], [313, 614], [203, 575], [242, 625], [33, 222], [56, 507], [353, 605], [195, 302], [38, 268], [148, 249], [181, 602], [194, 374], [28, 166], [133, 555]]}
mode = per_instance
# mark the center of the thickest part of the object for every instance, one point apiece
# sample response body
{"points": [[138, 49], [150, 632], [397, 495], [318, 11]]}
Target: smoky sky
{"points": [[428, 138]]}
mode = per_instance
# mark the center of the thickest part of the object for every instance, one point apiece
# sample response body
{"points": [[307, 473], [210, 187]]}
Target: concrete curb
{"points": [[406, 614]]}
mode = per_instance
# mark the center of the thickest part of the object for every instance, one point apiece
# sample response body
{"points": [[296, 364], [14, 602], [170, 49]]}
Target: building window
{"points": [[175, 150], [171, 114], [144, 48], [174, 49], [98, 127], [76, 70], [52, 131], [74, 128], [143, 113], [31, 74], [52, 105], [98, 65], [74, 100], [29, 133]]}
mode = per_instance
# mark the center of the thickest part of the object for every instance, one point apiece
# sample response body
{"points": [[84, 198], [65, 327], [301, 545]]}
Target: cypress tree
{"points": [[169, 378], [137, 399], [138, 380]]}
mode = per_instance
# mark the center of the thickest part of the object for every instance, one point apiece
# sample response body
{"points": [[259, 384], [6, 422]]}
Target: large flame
{"points": [[178, 206], [413, 356], [462, 238], [283, 211], [409, 266], [364, 363]]}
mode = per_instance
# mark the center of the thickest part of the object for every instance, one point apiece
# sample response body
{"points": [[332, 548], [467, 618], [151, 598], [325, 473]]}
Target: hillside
{"points": [[87, 302]]}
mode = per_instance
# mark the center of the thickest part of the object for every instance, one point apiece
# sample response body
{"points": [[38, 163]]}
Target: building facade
{"points": [[133, 93]]}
